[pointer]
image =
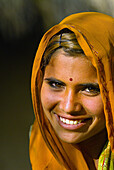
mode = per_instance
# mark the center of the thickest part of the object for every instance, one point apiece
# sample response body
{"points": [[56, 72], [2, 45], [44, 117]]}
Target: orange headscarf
{"points": [[95, 34]]}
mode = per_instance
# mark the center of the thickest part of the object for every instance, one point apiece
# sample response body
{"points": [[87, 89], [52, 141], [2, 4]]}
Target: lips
{"points": [[72, 124]]}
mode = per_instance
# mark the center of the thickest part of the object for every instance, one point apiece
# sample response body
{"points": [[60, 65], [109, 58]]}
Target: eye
{"points": [[55, 84], [91, 90]]}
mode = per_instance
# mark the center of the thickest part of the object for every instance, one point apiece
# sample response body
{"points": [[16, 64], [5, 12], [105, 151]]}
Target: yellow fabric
{"points": [[106, 159], [95, 34]]}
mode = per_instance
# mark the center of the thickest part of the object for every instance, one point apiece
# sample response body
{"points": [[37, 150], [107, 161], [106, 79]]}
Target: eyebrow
{"points": [[89, 84], [79, 85], [54, 80]]}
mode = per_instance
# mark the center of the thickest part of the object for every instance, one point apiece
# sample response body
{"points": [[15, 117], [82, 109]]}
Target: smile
{"points": [[70, 122]]}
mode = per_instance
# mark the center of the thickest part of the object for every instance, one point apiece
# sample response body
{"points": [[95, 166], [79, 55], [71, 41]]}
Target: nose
{"points": [[70, 103]]}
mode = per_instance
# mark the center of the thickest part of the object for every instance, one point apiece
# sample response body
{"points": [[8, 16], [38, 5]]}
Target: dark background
{"points": [[22, 24]]}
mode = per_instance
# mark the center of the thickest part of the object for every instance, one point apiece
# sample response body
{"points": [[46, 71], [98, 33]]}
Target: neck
{"points": [[95, 144], [91, 148]]}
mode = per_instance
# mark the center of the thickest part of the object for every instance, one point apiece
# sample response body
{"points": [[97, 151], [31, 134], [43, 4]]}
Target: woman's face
{"points": [[71, 98]]}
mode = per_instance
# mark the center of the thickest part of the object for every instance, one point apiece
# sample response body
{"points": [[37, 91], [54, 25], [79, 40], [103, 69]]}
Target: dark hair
{"points": [[64, 39]]}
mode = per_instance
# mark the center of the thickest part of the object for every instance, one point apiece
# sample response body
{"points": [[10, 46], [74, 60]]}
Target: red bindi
{"points": [[71, 79]]}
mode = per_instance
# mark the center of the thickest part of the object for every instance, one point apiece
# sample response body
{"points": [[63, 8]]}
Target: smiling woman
{"points": [[72, 93], [72, 107]]}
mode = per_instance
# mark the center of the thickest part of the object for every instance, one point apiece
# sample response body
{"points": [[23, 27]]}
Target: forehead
{"points": [[65, 66]]}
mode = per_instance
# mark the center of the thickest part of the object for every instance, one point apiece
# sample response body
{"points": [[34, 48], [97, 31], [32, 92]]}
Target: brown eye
{"points": [[91, 90], [55, 84]]}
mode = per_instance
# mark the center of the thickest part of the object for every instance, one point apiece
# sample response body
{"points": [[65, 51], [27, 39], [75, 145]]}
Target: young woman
{"points": [[73, 93]]}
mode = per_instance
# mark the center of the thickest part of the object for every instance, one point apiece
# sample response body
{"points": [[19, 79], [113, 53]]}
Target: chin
{"points": [[70, 138]]}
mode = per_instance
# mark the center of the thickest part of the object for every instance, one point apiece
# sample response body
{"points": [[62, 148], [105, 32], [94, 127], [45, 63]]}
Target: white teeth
{"points": [[70, 122], [64, 120], [67, 121], [75, 122]]}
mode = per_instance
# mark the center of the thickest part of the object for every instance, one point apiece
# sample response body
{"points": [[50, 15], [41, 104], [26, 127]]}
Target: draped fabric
{"points": [[95, 34]]}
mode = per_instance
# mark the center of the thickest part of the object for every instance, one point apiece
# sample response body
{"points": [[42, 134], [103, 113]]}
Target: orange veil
{"points": [[95, 34]]}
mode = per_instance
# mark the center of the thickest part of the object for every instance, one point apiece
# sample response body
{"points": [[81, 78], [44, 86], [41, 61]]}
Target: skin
{"points": [[78, 99]]}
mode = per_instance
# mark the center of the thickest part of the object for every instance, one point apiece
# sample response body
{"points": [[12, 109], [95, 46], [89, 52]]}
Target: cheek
{"points": [[48, 99], [94, 105]]}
